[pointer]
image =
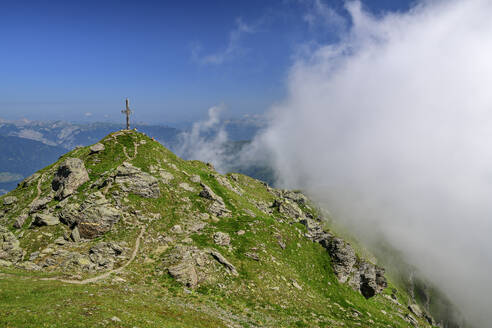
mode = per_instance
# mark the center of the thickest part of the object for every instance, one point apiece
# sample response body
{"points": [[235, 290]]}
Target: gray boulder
{"points": [[39, 204], [45, 220], [105, 255], [222, 239], [96, 148], [95, 216], [134, 180], [70, 175], [10, 250]]}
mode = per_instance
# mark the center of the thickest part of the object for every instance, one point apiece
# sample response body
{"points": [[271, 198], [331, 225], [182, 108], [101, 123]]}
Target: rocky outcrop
{"points": [[94, 217], [361, 275], [104, 255], [288, 208], [217, 207], [10, 251], [70, 175], [189, 265], [132, 179]]}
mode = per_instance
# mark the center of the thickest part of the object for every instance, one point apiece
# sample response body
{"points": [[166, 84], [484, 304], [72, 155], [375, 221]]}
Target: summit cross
{"points": [[127, 111]]}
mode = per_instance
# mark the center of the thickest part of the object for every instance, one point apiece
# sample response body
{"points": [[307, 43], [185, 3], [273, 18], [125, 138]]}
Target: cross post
{"points": [[127, 111]]}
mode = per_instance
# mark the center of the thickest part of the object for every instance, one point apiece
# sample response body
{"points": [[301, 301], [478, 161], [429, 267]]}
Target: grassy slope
{"points": [[263, 295]]}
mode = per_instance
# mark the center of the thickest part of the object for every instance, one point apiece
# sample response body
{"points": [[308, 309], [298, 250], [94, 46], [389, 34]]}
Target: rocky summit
{"points": [[126, 234]]}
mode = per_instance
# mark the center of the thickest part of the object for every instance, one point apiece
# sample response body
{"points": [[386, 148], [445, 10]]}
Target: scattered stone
{"points": [[45, 220], [241, 232], [33, 256], [195, 178], [177, 229], [186, 187], [70, 175], [296, 285], [115, 319], [165, 176], [9, 200], [75, 235], [252, 256], [60, 241], [222, 260], [222, 238], [99, 147]]}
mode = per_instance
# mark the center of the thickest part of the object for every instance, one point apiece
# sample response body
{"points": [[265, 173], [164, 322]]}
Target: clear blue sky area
{"points": [[78, 60]]}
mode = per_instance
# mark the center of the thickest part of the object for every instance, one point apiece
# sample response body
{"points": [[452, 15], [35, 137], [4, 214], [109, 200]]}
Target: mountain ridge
{"points": [[127, 213]]}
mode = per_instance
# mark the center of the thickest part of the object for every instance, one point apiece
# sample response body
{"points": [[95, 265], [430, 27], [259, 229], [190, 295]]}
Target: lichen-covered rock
{"points": [[45, 220], [189, 265], [134, 180], [96, 216], [70, 175], [10, 250]]}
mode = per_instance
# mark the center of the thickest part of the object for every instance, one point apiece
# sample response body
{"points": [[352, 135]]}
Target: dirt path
{"points": [[108, 273]]}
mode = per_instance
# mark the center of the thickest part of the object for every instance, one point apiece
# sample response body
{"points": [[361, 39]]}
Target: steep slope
{"points": [[124, 233]]}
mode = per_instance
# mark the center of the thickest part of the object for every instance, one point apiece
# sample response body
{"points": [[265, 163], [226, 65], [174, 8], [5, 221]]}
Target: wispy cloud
{"points": [[232, 50], [320, 14]]}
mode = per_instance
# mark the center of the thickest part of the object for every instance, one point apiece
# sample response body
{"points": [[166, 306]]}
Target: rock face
{"points": [[39, 204], [104, 254], [361, 275], [10, 251], [134, 180], [70, 175], [217, 207]]}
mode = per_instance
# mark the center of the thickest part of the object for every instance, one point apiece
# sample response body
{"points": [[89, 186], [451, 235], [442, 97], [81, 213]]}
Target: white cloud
{"points": [[391, 130], [232, 50]]}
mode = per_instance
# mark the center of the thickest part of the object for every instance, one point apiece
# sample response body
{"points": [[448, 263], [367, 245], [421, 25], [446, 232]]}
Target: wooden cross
{"points": [[127, 111]]}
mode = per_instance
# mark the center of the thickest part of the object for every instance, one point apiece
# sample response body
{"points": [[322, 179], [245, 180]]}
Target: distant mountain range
{"points": [[26, 146]]}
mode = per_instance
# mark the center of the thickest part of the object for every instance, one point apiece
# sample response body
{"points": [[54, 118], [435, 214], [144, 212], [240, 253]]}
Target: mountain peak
{"points": [[126, 209]]}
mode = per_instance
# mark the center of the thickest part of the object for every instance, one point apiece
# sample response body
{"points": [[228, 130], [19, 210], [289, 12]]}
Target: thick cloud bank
{"points": [[392, 129]]}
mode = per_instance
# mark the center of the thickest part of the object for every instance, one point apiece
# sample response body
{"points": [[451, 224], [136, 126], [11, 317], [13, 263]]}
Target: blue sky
{"points": [[78, 60]]}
